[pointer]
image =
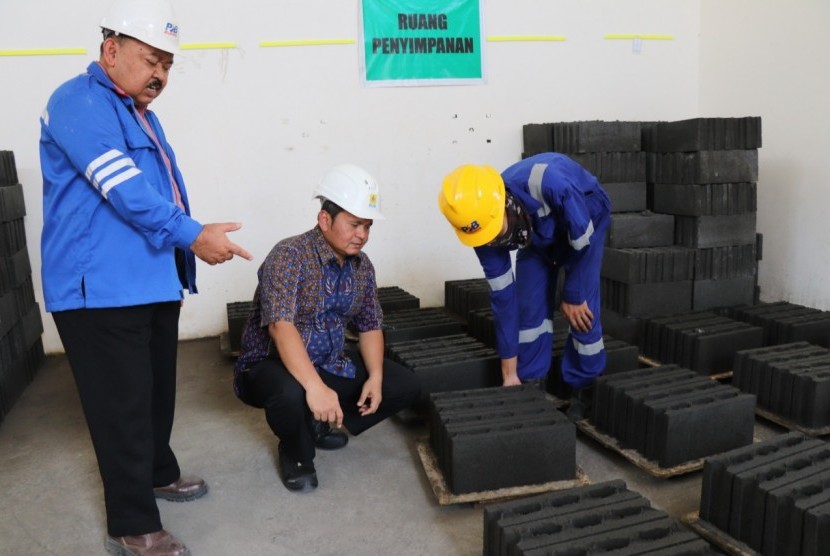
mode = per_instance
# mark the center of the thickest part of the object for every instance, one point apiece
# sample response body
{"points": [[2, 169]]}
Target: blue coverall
{"points": [[570, 214]]}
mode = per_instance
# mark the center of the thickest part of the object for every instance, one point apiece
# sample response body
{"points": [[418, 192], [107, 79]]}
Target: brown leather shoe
{"points": [[160, 543], [184, 489]]}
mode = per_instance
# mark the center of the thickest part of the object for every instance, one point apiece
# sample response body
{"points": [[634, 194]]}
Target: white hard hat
{"points": [[353, 189], [150, 21]]}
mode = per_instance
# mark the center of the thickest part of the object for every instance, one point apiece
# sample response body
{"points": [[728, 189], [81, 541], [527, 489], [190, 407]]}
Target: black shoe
{"points": [[296, 475], [582, 403], [327, 439], [576, 410]]}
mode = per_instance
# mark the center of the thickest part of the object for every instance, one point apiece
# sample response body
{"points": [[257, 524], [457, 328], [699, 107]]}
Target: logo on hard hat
{"points": [[472, 228], [171, 29], [373, 200]]}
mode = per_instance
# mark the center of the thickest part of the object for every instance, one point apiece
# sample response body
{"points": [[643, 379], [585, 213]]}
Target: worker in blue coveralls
{"points": [[556, 214]]}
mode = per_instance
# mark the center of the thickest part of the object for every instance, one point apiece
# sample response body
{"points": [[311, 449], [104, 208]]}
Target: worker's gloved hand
{"points": [[579, 317]]}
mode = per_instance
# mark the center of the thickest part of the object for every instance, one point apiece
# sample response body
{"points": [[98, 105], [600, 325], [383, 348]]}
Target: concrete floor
{"points": [[374, 496]]}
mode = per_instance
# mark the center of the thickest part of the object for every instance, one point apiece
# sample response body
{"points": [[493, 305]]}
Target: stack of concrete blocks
{"points": [[603, 518], [21, 347], [682, 234], [413, 324], [790, 380], [502, 437], [237, 313], [704, 172], [785, 322], [447, 363], [671, 415], [774, 496], [702, 341], [463, 296], [435, 344], [394, 298]]}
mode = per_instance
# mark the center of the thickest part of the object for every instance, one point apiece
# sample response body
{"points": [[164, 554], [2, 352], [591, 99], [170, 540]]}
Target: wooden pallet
{"points": [[635, 457], [445, 496], [725, 375], [791, 425], [722, 540]]}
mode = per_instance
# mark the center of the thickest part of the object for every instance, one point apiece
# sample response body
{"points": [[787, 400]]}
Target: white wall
{"points": [[764, 58], [255, 128]]}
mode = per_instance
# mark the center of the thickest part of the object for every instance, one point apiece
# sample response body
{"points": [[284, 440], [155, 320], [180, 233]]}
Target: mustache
{"points": [[155, 84]]}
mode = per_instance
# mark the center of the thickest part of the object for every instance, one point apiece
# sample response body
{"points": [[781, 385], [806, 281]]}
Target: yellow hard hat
{"points": [[472, 199]]}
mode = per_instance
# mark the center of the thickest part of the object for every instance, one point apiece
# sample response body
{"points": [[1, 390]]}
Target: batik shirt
{"points": [[302, 282]]}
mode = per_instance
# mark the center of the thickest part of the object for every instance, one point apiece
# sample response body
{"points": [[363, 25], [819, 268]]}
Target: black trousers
{"points": [[124, 363], [269, 385]]}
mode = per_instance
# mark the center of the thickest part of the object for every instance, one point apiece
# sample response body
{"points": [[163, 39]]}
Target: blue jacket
{"points": [[565, 203], [110, 224]]}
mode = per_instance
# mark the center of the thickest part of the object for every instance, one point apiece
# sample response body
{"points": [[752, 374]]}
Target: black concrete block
{"points": [[443, 402], [816, 535], [797, 470], [730, 261], [627, 197], [785, 322], [12, 237], [714, 231], [811, 399], [729, 166], [623, 328], [782, 379], [509, 513], [703, 134], [414, 324], [718, 471], [8, 170], [722, 292], [749, 490], [484, 395], [608, 387], [783, 524], [610, 394], [643, 300], [640, 229], [744, 373], [703, 199], [14, 270], [764, 371], [700, 426], [537, 138], [237, 314], [12, 206], [581, 525], [508, 527], [660, 535], [648, 264], [511, 453], [462, 296], [394, 298], [468, 414], [632, 426], [714, 347], [614, 167], [596, 137], [662, 336]]}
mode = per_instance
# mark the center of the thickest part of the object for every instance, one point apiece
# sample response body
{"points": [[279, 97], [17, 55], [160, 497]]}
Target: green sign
{"points": [[412, 42]]}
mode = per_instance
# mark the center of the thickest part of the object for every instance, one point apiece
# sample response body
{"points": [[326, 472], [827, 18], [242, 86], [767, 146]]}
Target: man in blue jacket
{"points": [[118, 250], [556, 214]]}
